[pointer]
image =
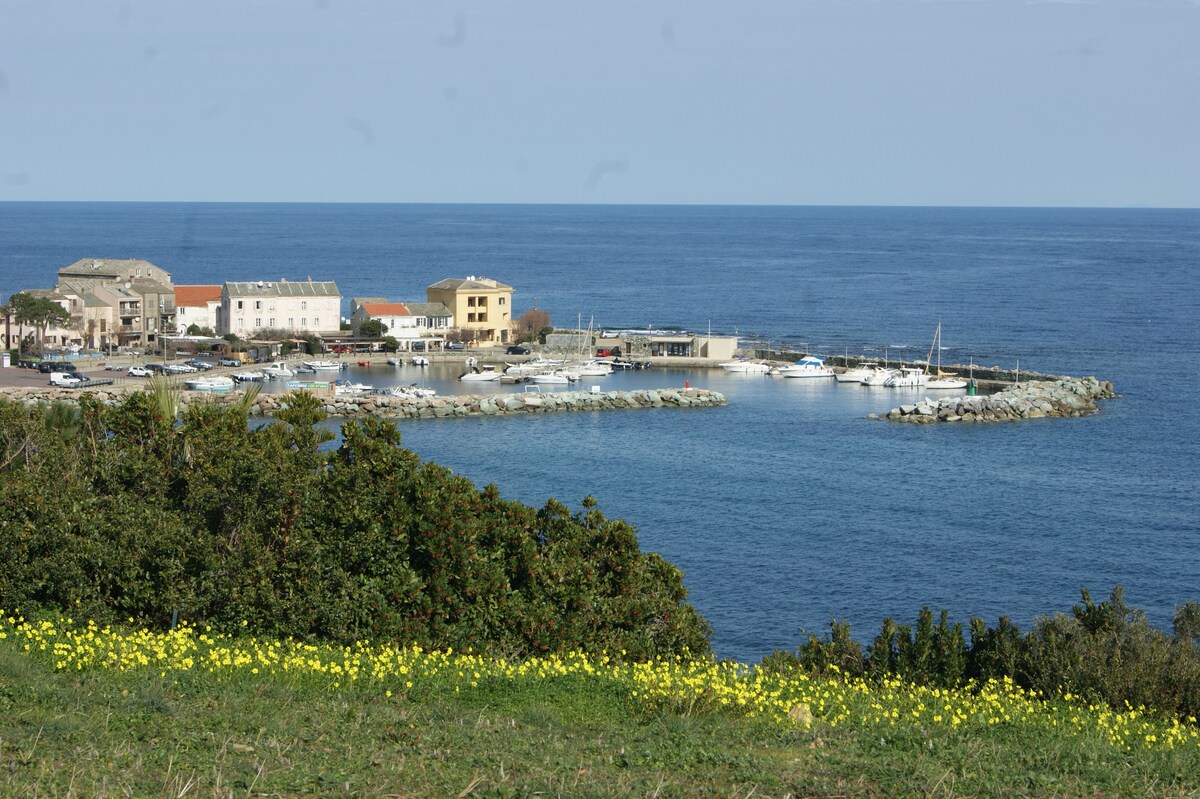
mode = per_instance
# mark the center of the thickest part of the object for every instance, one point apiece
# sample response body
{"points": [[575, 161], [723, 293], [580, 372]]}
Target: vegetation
{"points": [[41, 312], [532, 325], [139, 512], [1105, 651], [90, 710], [372, 328]]}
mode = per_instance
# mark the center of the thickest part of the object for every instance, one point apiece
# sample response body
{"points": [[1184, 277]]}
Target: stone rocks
{"points": [[1068, 396], [432, 407]]}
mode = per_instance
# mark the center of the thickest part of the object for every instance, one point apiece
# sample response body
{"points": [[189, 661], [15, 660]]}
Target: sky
{"points": [[776, 102]]}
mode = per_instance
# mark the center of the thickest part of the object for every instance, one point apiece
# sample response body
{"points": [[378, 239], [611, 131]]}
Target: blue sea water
{"points": [[788, 507]]}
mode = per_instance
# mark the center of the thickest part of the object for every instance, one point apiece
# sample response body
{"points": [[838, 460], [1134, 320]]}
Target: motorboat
{"points": [[248, 377], [808, 366], [411, 391], [879, 376], [857, 374], [323, 366], [419, 360], [746, 366], [591, 368], [215, 385], [559, 377], [395, 361], [278, 369], [350, 389], [908, 377], [480, 374], [531, 367]]}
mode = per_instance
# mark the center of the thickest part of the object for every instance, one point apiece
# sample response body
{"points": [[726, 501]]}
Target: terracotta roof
{"points": [[197, 296], [385, 308]]}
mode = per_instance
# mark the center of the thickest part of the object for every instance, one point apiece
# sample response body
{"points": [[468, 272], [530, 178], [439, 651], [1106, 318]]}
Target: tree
{"points": [[372, 328], [531, 324], [460, 335], [196, 330], [41, 312]]}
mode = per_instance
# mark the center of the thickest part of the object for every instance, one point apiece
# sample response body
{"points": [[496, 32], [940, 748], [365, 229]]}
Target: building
{"points": [[407, 322], [199, 306], [300, 308], [479, 306], [126, 302]]}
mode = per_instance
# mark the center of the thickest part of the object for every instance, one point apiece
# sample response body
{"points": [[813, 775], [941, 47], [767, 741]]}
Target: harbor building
{"points": [[480, 306], [298, 307]]}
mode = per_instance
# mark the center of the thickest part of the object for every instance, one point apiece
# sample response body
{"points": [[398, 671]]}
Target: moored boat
{"points": [[808, 366]]}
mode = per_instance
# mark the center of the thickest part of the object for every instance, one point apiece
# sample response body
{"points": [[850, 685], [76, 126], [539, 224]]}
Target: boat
{"points": [[879, 376], [592, 368], [808, 366], [746, 366], [248, 377], [857, 374], [940, 379], [215, 385], [411, 391], [419, 360], [480, 374], [559, 377], [908, 377], [350, 389], [278, 369], [395, 361], [323, 366]]}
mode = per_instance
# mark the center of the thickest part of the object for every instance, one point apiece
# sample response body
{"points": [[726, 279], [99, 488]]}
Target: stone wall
{"points": [[455, 405], [1074, 396]]}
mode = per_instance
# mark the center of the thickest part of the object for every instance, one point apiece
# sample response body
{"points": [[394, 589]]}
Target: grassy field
{"points": [[89, 712]]}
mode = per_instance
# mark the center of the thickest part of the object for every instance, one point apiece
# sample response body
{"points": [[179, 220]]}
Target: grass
{"points": [[70, 730]]}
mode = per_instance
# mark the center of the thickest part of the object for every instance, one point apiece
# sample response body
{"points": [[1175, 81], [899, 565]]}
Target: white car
{"points": [[138, 371]]}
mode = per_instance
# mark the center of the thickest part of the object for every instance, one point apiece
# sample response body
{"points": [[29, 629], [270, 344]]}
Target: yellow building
{"points": [[479, 306]]}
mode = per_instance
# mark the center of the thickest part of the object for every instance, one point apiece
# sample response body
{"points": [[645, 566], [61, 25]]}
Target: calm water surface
{"points": [[788, 507]]}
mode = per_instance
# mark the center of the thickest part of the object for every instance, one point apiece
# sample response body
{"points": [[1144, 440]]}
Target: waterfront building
{"points": [[298, 307], [199, 306], [410, 323], [126, 302], [480, 306]]}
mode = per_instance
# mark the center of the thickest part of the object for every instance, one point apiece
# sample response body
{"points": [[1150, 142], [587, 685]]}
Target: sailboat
{"points": [[941, 379]]}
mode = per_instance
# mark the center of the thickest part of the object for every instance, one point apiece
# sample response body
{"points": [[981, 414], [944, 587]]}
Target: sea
{"points": [[789, 508]]}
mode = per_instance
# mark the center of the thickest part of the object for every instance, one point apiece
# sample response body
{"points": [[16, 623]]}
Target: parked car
{"points": [[156, 368], [45, 367], [454, 345], [65, 379], [179, 369], [517, 349], [229, 362], [203, 366], [139, 371]]}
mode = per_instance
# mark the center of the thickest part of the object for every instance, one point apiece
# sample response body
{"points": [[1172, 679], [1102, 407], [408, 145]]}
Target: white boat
{"points": [[808, 366], [323, 366], [419, 360], [879, 376], [591, 368], [481, 374], [395, 361], [857, 374], [559, 377], [411, 391], [349, 389], [940, 379], [908, 377], [214, 384], [248, 377], [746, 366], [278, 369]]}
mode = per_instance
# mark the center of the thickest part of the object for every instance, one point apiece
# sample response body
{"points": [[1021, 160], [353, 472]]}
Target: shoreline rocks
{"points": [[438, 407], [1066, 397]]}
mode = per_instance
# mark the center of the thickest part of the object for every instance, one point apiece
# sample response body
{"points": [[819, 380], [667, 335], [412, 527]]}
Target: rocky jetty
{"points": [[455, 405], [1074, 396]]}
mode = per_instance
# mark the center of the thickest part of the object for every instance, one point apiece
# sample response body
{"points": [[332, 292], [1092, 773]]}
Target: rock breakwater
{"points": [[1034, 400], [439, 407]]}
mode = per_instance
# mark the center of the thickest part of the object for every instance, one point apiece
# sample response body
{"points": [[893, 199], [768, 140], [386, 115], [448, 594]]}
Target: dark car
{"points": [[46, 367], [156, 368], [517, 349], [203, 366]]}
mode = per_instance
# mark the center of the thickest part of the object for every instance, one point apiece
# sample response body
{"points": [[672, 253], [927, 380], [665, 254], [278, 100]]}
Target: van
{"points": [[65, 379]]}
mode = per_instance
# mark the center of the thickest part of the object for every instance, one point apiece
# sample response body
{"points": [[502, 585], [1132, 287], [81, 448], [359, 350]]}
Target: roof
{"points": [[90, 267], [196, 296], [473, 283], [428, 309], [385, 308], [284, 288]]}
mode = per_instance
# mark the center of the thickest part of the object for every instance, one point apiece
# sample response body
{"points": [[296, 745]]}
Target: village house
{"points": [[414, 325], [199, 306], [298, 307], [480, 306]]}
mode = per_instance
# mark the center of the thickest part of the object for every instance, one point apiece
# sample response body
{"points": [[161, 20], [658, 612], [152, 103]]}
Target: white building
{"points": [[199, 306], [300, 308], [407, 322]]}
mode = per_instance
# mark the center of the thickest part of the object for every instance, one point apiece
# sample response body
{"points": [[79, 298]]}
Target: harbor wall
{"points": [[1039, 399]]}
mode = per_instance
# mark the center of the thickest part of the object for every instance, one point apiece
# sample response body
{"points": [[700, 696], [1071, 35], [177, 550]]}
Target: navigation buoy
{"points": [[687, 383]]}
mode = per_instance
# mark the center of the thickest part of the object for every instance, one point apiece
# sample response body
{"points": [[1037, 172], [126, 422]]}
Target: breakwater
{"points": [[437, 407], [1033, 400]]}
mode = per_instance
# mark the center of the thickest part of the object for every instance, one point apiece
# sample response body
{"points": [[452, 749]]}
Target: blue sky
{"points": [[809, 102]]}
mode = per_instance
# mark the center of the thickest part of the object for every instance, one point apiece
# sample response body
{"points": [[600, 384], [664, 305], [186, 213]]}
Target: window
{"points": [[316, 322], [470, 302], [258, 305], [483, 302], [271, 323], [258, 322], [291, 321], [482, 317], [303, 305], [303, 321], [500, 301], [241, 323], [470, 317], [239, 305]]}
